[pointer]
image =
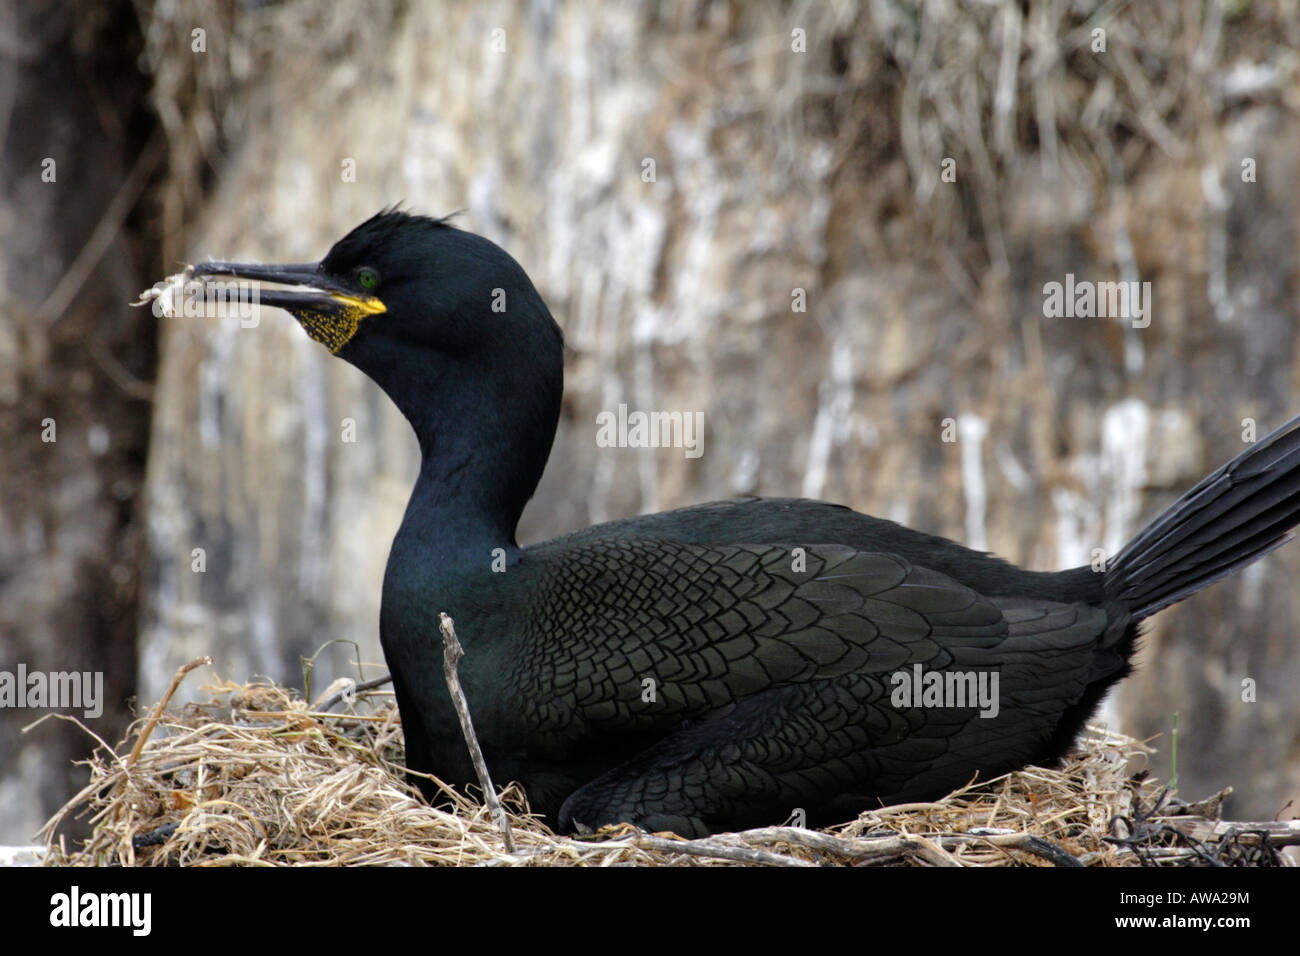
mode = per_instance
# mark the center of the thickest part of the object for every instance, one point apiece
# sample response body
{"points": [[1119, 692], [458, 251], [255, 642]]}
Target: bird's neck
{"points": [[468, 497], [484, 441]]}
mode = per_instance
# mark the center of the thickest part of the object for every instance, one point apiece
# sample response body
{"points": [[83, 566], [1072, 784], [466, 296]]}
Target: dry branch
{"points": [[452, 652]]}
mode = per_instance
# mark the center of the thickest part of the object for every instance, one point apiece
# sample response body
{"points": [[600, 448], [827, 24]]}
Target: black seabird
{"points": [[718, 666]]}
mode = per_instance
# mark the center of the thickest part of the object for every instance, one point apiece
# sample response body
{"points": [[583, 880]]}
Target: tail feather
{"points": [[1231, 518], [1246, 497], [1188, 588], [1203, 548]]}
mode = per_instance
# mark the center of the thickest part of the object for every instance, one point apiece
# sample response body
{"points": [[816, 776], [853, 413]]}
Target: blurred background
{"points": [[827, 226]]}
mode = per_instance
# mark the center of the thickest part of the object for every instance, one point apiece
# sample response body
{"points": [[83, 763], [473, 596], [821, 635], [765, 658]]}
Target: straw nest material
{"points": [[258, 776]]}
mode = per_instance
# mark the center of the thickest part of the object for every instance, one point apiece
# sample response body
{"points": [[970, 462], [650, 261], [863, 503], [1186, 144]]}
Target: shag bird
{"points": [[724, 665]]}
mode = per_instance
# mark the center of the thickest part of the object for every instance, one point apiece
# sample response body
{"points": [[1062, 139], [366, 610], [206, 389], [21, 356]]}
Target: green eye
{"points": [[368, 278]]}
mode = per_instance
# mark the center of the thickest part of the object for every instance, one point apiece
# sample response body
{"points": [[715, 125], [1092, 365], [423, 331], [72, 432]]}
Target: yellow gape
{"points": [[334, 329]]}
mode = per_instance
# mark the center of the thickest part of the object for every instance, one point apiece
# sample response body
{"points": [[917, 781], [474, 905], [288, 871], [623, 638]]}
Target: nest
{"points": [[258, 776]]}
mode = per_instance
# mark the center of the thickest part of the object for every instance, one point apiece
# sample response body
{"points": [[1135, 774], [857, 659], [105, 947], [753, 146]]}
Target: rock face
{"points": [[75, 371], [832, 237]]}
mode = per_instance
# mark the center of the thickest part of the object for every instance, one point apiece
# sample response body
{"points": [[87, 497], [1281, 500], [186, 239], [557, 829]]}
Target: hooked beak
{"points": [[328, 310]]}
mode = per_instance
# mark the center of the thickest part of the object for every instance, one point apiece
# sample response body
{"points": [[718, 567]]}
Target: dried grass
{"points": [[259, 777]]}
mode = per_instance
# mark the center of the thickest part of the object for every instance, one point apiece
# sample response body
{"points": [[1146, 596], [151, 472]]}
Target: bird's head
{"points": [[446, 322], [408, 280]]}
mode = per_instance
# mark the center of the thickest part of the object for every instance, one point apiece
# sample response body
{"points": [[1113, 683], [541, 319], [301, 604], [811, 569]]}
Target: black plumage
{"points": [[723, 665]]}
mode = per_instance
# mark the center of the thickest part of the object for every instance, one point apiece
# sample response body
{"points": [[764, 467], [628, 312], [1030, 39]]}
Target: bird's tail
{"points": [[1232, 517]]}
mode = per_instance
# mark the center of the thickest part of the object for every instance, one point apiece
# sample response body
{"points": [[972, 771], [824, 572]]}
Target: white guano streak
{"points": [[971, 432]]}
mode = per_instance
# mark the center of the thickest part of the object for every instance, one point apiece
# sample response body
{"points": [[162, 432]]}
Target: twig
{"points": [[716, 848], [1274, 832], [812, 839], [352, 691], [158, 708], [120, 376], [862, 849], [57, 302], [1038, 846], [452, 652], [154, 837], [877, 849]]}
